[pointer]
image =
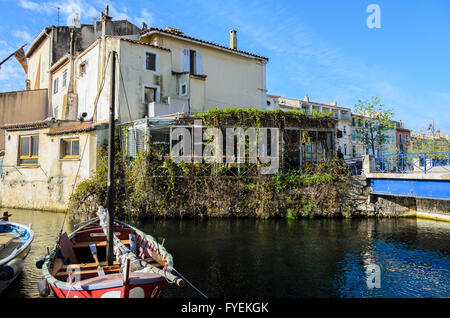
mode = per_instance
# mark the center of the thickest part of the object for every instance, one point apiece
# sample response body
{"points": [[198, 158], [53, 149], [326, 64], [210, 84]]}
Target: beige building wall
{"points": [[20, 107], [39, 65], [47, 185], [59, 98], [232, 80], [133, 78]]}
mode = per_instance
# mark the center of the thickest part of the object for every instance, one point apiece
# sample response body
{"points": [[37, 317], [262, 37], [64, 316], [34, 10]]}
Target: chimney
{"points": [[173, 30], [105, 19], [233, 40], [76, 21]]}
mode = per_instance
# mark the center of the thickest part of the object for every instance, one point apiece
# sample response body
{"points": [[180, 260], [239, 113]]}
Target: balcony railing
{"points": [[412, 163]]}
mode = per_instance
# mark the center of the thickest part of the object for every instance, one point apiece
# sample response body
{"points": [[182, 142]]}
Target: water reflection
{"points": [[46, 226], [278, 258]]}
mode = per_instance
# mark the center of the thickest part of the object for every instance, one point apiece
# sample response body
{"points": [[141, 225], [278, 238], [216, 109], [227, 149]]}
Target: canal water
{"points": [[283, 258]]}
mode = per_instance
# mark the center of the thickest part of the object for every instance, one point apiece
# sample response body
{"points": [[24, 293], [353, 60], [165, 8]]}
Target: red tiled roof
{"points": [[27, 125], [77, 128], [178, 34]]}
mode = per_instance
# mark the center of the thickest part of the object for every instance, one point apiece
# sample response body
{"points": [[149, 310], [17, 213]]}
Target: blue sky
{"points": [[322, 48]]}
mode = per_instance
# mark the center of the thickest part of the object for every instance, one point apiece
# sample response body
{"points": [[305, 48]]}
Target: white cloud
{"points": [[24, 35], [36, 7], [68, 9], [144, 16]]}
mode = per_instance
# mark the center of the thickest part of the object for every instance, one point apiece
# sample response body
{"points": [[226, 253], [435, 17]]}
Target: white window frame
{"points": [[156, 71], [181, 90], [60, 139], [64, 80], [55, 85], [158, 92], [198, 67]]}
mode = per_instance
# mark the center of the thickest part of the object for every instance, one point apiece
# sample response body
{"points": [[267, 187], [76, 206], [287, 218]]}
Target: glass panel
{"points": [[29, 161], [321, 145], [131, 143], [24, 146], [150, 61], [76, 147], [160, 140], [64, 78], [291, 147], [66, 147], [192, 62], [34, 146]]}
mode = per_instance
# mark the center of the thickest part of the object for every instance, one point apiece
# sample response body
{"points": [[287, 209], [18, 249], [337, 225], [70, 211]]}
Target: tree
{"points": [[378, 121], [421, 142]]}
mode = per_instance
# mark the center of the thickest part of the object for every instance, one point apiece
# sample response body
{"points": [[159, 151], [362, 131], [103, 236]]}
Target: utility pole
{"points": [[111, 153]]}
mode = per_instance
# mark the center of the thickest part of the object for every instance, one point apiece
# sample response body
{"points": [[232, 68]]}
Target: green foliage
{"points": [[378, 121], [423, 142], [252, 117], [307, 208]]}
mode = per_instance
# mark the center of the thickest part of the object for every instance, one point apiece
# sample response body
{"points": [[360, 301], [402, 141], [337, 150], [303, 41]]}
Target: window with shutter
{"points": [[184, 60], [150, 61], [198, 63]]}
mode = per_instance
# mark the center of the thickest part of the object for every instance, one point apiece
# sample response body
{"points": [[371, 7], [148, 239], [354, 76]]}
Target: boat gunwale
{"points": [[65, 285], [23, 246]]}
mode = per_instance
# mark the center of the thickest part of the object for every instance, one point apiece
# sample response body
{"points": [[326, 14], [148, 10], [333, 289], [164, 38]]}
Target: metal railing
{"points": [[412, 163], [354, 165]]}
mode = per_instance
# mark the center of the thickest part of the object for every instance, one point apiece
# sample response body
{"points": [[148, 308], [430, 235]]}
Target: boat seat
{"points": [[90, 271], [97, 243], [91, 268], [5, 240]]}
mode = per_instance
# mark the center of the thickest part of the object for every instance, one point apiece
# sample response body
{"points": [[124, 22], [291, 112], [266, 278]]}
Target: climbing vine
{"points": [[151, 184]]}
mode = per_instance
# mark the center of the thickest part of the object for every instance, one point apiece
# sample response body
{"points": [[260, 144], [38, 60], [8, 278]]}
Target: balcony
{"points": [[173, 106]]}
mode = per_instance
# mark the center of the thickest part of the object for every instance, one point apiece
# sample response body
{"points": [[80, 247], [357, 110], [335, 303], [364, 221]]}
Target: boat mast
{"points": [[111, 153]]}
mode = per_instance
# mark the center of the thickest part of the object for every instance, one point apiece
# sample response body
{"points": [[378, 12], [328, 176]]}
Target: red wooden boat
{"points": [[72, 270]]}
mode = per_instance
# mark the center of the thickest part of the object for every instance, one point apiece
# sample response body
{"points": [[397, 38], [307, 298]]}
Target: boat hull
{"points": [[148, 290], [79, 284], [13, 257]]}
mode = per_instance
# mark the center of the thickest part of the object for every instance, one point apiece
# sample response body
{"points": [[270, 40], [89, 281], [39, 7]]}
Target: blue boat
{"points": [[15, 244]]}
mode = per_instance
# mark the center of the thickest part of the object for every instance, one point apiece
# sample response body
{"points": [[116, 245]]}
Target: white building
{"points": [[342, 114]]}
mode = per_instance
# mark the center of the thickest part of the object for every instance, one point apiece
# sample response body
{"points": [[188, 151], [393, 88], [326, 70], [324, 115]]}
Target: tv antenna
{"points": [[58, 8]]}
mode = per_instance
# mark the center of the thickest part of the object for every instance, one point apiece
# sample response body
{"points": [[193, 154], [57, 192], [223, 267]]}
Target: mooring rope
{"points": [[186, 280]]}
